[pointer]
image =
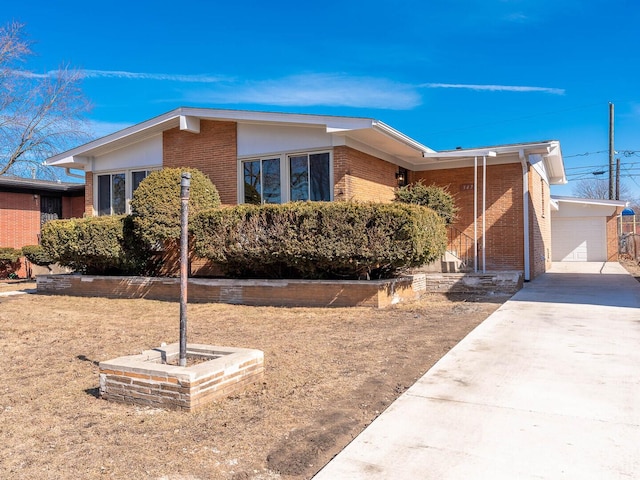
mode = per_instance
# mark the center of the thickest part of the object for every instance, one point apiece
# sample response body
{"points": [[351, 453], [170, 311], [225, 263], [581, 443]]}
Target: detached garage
{"points": [[584, 230]]}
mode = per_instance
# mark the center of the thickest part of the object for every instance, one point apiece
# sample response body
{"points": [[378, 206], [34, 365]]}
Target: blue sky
{"points": [[450, 73]]}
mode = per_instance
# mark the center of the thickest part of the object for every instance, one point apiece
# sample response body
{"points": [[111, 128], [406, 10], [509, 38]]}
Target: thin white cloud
{"points": [[167, 77], [313, 90], [496, 88], [200, 78], [306, 90]]}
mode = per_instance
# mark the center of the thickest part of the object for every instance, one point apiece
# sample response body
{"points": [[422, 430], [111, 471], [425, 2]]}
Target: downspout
{"points": [[525, 210]]}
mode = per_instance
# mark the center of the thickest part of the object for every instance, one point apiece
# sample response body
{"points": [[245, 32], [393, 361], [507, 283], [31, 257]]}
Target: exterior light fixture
{"points": [[402, 176]]}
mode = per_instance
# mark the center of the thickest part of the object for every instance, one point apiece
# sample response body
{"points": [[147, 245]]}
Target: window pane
{"points": [[118, 194], [136, 178], [271, 180], [319, 173], [252, 187], [299, 181], [104, 194]]}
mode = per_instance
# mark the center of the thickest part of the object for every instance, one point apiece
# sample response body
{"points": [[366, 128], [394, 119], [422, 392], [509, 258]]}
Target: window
{"points": [[113, 194], [309, 177], [262, 181]]}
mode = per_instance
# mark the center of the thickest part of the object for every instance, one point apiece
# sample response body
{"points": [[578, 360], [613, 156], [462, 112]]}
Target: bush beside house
{"points": [[95, 245], [9, 261], [432, 196], [311, 240], [319, 239], [156, 204]]}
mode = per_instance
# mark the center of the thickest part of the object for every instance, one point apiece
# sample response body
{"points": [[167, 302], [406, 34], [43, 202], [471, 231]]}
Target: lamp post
{"points": [[185, 183]]}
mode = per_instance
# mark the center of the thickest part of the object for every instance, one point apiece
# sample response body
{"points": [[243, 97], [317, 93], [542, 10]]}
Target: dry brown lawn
{"points": [[329, 373]]}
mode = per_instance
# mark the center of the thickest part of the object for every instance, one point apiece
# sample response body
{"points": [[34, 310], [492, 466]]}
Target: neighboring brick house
{"points": [[502, 191], [25, 204]]}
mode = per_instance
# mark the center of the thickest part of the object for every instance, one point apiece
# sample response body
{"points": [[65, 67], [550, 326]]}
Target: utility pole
{"points": [[611, 151]]}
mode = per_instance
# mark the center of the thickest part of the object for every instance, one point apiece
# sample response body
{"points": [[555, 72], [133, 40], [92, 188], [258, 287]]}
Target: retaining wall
{"points": [[309, 293]]}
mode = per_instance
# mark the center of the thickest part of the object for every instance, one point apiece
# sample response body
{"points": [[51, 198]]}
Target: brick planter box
{"points": [[147, 379]]}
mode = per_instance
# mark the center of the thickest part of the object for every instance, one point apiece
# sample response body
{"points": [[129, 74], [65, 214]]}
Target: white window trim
{"points": [[285, 193], [128, 181]]}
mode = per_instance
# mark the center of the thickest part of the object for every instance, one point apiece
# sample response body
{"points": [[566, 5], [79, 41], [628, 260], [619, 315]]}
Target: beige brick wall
{"points": [[212, 151]]}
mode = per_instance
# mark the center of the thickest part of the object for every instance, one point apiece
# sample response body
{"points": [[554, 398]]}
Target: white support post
{"points": [[475, 214], [484, 212]]}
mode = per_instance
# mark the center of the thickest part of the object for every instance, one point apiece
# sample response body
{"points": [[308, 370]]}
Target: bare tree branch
{"points": [[40, 115]]}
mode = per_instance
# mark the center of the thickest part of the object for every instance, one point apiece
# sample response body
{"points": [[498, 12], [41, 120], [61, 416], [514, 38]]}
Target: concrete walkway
{"points": [[548, 387]]}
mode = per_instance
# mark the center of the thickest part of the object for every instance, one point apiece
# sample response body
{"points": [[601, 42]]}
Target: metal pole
{"points": [[617, 179], [611, 151], [185, 183]]}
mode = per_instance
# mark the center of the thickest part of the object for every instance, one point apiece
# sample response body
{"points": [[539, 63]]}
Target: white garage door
{"points": [[579, 239]]}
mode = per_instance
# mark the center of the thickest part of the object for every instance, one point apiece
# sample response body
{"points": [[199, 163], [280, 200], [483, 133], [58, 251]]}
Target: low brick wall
{"points": [[312, 293], [283, 293], [478, 283], [144, 380]]}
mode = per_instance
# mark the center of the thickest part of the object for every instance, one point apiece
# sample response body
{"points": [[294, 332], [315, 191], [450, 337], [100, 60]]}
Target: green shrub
{"points": [[9, 255], [9, 262], [432, 196], [319, 239], [95, 245], [156, 203], [37, 255]]}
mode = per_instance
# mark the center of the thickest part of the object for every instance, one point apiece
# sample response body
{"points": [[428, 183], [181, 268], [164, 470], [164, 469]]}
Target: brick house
{"points": [[25, 204], [504, 222]]}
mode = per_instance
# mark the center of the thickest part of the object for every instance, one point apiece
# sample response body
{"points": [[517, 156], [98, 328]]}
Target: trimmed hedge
{"points": [[155, 207], [94, 245], [9, 255], [319, 239], [37, 255], [431, 196]]}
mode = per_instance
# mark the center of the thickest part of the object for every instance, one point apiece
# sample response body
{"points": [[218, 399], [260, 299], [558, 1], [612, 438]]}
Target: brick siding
{"points": [[539, 224], [88, 195], [504, 246], [19, 219], [362, 177], [213, 151]]}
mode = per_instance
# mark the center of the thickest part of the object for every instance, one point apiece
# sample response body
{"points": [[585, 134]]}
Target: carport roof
{"points": [[596, 202]]}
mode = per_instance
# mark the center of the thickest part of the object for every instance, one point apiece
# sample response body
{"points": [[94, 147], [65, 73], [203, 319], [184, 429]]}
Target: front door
{"points": [[50, 209]]}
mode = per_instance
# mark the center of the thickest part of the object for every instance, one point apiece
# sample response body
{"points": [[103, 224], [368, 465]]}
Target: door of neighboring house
{"points": [[50, 209]]}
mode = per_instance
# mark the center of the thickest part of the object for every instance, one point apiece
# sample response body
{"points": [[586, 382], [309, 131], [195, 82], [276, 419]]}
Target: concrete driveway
{"points": [[548, 387]]}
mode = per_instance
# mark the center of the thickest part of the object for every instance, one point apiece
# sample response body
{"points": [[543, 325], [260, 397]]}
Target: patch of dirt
{"points": [[328, 374], [631, 265]]}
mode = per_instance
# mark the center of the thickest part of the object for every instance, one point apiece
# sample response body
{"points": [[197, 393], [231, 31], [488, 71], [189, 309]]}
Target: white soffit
{"points": [[598, 206]]}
